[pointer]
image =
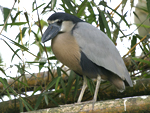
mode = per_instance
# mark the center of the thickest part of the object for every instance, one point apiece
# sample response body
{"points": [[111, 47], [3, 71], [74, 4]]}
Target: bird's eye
{"points": [[59, 21]]}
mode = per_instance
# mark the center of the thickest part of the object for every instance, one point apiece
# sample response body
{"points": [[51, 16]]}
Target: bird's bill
{"points": [[50, 32]]}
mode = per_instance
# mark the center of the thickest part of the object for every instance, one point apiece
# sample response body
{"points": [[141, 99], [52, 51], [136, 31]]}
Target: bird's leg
{"points": [[96, 90], [97, 87], [95, 93], [83, 89]]}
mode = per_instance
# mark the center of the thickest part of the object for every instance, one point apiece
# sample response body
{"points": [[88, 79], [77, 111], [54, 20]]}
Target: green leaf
{"points": [[39, 99], [14, 54], [53, 100], [20, 105], [105, 23], [141, 60], [101, 24], [122, 17], [15, 43], [5, 14], [63, 86], [142, 25], [69, 85], [53, 3], [2, 71], [16, 23], [37, 89], [38, 7], [91, 18], [23, 83], [27, 105], [22, 32], [90, 86], [76, 86], [148, 6], [115, 23], [46, 99], [57, 82], [81, 8], [14, 18], [51, 83], [59, 71], [124, 2], [12, 49], [69, 5], [52, 58], [133, 42], [7, 86]]}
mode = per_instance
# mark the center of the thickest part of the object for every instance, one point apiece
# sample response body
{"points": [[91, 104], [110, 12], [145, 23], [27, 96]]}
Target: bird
{"points": [[87, 51]]}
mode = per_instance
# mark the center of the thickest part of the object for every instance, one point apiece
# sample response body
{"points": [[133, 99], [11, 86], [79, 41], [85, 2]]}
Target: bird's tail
{"points": [[117, 82]]}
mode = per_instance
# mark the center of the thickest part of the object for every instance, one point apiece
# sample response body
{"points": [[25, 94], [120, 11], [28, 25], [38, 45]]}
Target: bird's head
{"points": [[59, 23]]}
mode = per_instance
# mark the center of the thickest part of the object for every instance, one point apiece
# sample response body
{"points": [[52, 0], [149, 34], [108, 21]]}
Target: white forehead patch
{"points": [[53, 21]]}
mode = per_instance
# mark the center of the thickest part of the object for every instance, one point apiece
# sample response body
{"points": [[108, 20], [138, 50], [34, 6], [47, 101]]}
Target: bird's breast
{"points": [[67, 51]]}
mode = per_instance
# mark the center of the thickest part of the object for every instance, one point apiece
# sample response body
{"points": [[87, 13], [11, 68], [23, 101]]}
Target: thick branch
{"points": [[128, 105]]}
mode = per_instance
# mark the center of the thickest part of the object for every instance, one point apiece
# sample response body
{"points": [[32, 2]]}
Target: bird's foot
{"points": [[85, 103]]}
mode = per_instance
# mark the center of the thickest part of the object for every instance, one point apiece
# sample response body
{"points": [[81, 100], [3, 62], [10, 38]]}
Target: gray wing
{"points": [[100, 49]]}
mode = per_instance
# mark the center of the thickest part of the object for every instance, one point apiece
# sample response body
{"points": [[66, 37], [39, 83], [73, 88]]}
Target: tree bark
{"points": [[128, 105]]}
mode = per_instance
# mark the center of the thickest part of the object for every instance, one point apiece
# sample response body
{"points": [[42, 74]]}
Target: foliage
{"points": [[96, 13]]}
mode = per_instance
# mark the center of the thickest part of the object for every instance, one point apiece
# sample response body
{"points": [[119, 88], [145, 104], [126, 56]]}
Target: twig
{"points": [[135, 46]]}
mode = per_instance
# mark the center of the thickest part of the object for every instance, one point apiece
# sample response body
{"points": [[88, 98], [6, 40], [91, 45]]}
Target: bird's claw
{"points": [[85, 103]]}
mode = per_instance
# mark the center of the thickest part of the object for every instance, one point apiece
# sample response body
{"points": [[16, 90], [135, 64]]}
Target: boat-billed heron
{"points": [[86, 50]]}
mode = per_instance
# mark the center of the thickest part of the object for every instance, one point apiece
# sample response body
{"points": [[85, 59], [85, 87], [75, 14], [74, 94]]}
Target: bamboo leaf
{"points": [[16, 23], [15, 43], [23, 33], [5, 14], [59, 71], [2, 71], [69, 85], [14, 18], [69, 5], [76, 86], [141, 60], [53, 100], [52, 58], [63, 86], [133, 42], [90, 86], [81, 8], [148, 6], [115, 24], [12, 50], [38, 101], [51, 83], [57, 82], [105, 23], [53, 3], [46, 99], [124, 2], [38, 7], [21, 105], [27, 105], [14, 54], [37, 89]]}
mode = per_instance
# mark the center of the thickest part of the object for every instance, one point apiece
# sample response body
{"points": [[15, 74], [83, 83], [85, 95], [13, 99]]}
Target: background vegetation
{"points": [[57, 85]]}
